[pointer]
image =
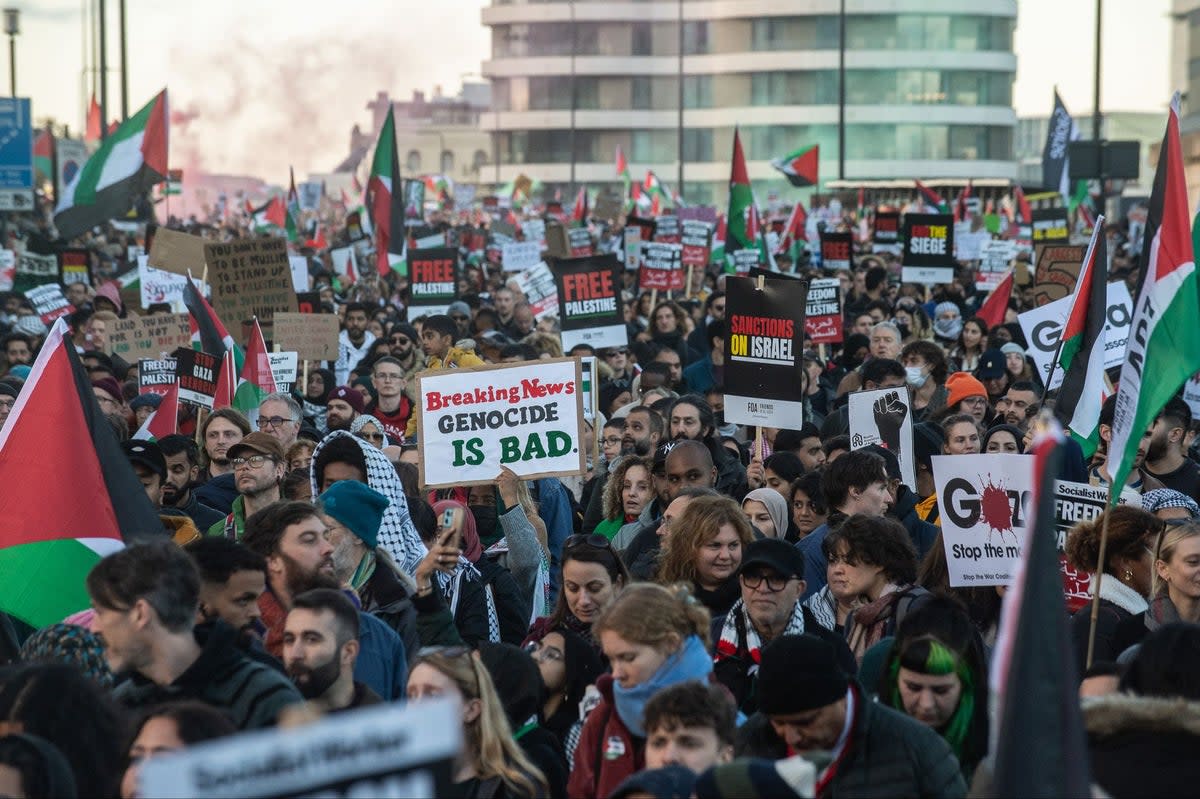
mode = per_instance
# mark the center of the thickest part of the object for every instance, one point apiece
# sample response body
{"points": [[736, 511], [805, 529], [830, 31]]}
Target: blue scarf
{"points": [[691, 662]]}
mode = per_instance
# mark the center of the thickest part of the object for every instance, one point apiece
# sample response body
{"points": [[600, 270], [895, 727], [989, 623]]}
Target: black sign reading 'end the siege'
{"points": [[589, 301], [928, 248]]}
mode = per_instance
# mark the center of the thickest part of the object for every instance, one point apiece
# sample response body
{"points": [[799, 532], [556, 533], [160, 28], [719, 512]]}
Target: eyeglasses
{"points": [[107, 401], [593, 540], [611, 440], [254, 461], [614, 353], [273, 422], [376, 437], [387, 377], [775, 583], [401, 341], [975, 401], [539, 651]]}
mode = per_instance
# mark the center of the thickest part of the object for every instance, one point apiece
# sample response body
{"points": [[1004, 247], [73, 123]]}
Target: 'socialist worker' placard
{"points": [[525, 416], [589, 307], [928, 248], [763, 364]]}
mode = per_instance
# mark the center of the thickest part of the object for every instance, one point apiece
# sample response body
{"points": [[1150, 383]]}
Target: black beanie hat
{"points": [[799, 673], [517, 679]]}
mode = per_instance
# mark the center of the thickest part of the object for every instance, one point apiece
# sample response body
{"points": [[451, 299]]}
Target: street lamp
{"points": [[12, 26]]}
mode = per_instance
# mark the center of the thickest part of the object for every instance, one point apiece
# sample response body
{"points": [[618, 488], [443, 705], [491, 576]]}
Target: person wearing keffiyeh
{"points": [[771, 579]]}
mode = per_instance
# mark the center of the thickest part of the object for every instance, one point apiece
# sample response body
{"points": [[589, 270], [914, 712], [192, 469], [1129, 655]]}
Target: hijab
{"points": [[776, 506], [471, 546]]}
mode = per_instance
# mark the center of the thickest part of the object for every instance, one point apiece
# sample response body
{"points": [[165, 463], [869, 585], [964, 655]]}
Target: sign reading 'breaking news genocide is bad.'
{"points": [[928, 248], [433, 280], [763, 365], [984, 502], [589, 302], [823, 314], [884, 416], [525, 416]]}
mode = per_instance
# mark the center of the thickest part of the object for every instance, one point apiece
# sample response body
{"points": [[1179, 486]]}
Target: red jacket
{"points": [[607, 752]]}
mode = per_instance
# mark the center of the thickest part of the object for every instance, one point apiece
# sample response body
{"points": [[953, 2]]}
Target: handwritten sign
{"points": [[517, 256], [138, 337], [313, 335], [250, 278], [177, 252]]}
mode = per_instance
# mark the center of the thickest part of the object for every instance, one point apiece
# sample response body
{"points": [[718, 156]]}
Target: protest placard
{"points": [[517, 256], [177, 252], [537, 284], [299, 265], [984, 507], [313, 335], [696, 238], [137, 337], [34, 270], [526, 416], [159, 286], [1191, 395], [345, 264], [836, 249], [995, 260], [48, 302], [1043, 328], [928, 248], [666, 230], [197, 372], [589, 302], [284, 366], [1075, 503], [661, 267], [558, 245], [431, 241], [968, 243], [1050, 226], [579, 241], [8, 269], [433, 280], [589, 369], [535, 231], [1056, 271], [884, 416], [633, 248], [250, 278], [742, 261], [384, 751], [309, 194], [823, 312], [763, 365], [156, 375], [887, 227], [75, 266], [607, 207]]}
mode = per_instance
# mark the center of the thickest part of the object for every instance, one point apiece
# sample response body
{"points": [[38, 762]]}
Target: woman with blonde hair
{"points": [[628, 500], [655, 637], [705, 551], [1174, 586], [491, 762]]}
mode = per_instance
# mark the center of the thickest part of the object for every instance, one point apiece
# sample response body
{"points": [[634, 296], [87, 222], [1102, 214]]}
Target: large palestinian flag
{"points": [[70, 496], [129, 162]]}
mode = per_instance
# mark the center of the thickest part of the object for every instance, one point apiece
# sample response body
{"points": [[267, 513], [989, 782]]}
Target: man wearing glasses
{"points": [[618, 360], [258, 467], [279, 415], [390, 407], [404, 345], [8, 398], [109, 396], [772, 582]]}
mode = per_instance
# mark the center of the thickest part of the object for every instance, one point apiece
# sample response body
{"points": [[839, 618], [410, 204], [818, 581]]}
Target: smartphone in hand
{"points": [[450, 528]]}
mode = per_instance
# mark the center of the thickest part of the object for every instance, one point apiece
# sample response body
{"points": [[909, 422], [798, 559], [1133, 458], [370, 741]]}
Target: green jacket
{"points": [[234, 525]]}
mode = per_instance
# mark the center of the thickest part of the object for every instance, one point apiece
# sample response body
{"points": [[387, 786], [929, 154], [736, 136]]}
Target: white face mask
{"points": [[915, 376]]}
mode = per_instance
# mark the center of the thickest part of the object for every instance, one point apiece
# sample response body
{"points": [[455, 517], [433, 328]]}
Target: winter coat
{"points": [[607, 752], [1143, 745], [384, 596], [512, 605], [218, 492]]}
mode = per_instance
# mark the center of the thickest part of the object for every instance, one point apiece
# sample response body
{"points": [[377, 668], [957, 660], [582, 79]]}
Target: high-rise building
{"points": [[928, 89]]}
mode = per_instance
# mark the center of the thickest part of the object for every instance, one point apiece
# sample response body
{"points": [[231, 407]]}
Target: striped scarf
{"points": [[728, 645]]}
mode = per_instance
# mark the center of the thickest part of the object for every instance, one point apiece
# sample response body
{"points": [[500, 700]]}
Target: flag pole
{"points": [[1099, 576]]}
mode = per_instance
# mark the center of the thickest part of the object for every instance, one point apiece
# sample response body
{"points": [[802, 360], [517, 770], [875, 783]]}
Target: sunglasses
{"points": [[444, 651], [593, 540]]}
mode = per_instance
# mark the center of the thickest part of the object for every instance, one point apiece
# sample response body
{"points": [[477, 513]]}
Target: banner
{"points": [[537, 284], [517, 256], [928, 248], [48, 302], [156, 376], [177, 252], [763, 350], [1043, 328], [159, 286], [138, 337], [661, 267], [313, 335], [823, 311], [983, 501], [386, 751], [527, 416], [197, 373], [696, 238], [250, 278], [1051, 226], [75, 266], [589, 302], [836, 250], [433, 280], [884, 416]]}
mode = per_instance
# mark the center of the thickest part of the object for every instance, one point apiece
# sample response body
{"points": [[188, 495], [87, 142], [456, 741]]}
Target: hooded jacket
{"points": [[1143, 745]]}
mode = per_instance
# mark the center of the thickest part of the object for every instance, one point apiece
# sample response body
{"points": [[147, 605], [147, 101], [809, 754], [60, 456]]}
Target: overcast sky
{"points": [[257, 85]]}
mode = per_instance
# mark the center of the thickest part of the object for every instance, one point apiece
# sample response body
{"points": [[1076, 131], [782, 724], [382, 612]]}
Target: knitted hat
{"points": [[927, 442], [357, 506], [406, 330], [20, 370], [517, 679], [110, 386], [458, 307], [1013, 348], [961, 385], [148, 400], [668, 782], [71, 644], [350, 396], [7, 389], [799, 673]]}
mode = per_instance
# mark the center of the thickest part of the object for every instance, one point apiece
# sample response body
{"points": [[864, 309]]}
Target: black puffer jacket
{"points": [[1143, 745]]}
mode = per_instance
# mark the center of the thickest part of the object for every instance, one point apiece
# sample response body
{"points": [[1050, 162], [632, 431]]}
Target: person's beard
{"points": [[345, 559], [172, 495], [299, 581], [1156, 449], [337, 423], [314, 682]]}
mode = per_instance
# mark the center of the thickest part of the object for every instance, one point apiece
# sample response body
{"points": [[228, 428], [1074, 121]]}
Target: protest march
{"points": [[883, 489]]}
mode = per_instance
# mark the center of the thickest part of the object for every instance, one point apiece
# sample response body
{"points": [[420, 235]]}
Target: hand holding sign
{"points": [[889, 418]]}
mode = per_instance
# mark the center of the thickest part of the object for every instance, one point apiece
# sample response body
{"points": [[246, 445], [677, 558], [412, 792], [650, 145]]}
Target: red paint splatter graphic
{"points": [[994, 508]]}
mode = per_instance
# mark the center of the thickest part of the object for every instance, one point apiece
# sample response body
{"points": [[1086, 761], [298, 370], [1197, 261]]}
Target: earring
{"points": [[1128, 575]]}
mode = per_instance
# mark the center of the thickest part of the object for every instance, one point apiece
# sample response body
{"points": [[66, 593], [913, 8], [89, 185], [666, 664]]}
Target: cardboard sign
{"points": [[177, 252], [383, 751], [156, 376], [75, 266], [763, 364], [159, 286], [884, 416], [557, 243], [984, 502], [250, 278], [661, 267], [1050, 226], [34, 270], [666, 230], [696, 238], [137, 337], [197, 372], [632, 238], [526, 416], [579, 241], [433, 279], [928, 248], [1043, 328], [537, 284], [836, 249], [517, 256], [284, 366], [823, 311], [589, 302], [887, 227], [1056, 272], [607, 207], [48, 302], [313, 335]]}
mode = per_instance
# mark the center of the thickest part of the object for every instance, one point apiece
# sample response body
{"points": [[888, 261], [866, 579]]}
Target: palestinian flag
{"points": [[91, 133], [579, 212], [257, 380], [385, 200], [994, 307], [272, 216], [43, 158], [1164, 336], [794, 237], [741, 200], [800, 167], [623, 171], [1024, 211], [931, 197], [1081, 349], [292, 222], [129, 163], [164, 421], [208, 334], [961, 214], [227, 380], [55, 525]]}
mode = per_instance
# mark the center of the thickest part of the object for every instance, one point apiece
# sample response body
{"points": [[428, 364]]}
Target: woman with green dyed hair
{"points": [[936, 672]]}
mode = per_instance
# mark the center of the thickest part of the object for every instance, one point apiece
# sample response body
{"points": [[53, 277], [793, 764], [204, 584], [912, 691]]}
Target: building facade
{"points": [[1185, 78], [928, 89]]}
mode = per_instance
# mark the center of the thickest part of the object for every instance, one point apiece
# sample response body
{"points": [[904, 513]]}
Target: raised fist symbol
{"points": [[889, 418]]}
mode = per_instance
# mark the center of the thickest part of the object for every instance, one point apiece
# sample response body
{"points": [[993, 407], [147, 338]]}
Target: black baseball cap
{"points": [[775, 553], [146, 453]]}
